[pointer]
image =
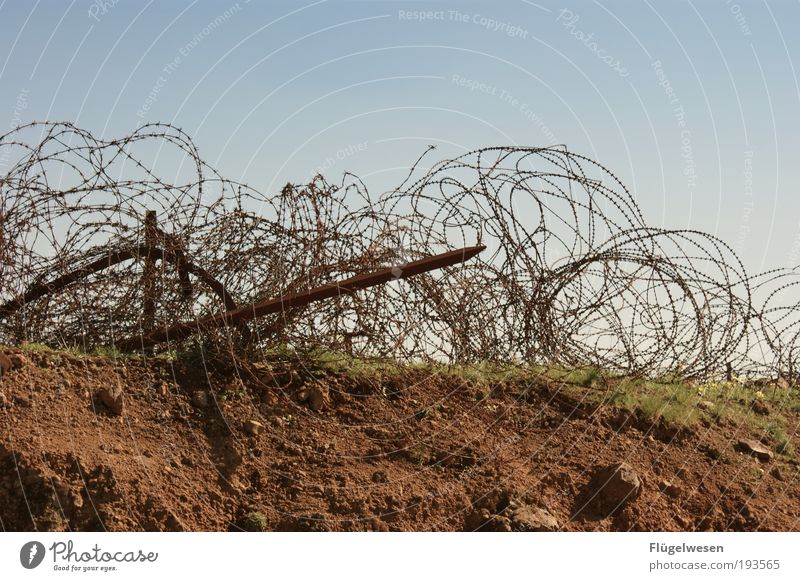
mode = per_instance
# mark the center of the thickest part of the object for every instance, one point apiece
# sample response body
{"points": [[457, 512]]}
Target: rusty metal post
{"points": [[149, 273], [294, 300]]}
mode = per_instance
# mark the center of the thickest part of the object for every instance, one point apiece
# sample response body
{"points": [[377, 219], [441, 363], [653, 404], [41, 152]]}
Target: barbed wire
{"points": [[104, 240]]}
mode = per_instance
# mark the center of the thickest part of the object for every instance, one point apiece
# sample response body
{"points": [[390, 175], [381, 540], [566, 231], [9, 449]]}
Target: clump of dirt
{"points": [[128, 444]]}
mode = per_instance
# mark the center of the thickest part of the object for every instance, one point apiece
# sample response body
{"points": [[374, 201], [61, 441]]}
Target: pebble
{"points": [[200, 399], [253, 427], [670, 489], [756, 449], [314, 396], [5, 364], [614, 486], [533, 519], [112, 397], [18, 361]]}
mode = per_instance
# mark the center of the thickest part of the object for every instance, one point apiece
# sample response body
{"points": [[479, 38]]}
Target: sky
{"points": [[693, 105]]}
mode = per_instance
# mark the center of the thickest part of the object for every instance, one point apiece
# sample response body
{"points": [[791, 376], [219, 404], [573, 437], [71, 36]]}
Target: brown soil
{"points": [[410, 452]]}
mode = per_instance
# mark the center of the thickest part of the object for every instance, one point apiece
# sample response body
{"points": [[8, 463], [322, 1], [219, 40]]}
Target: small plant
{"points": [[35, 347], [109, 352], [783, 442], [584, 377], [419, 455], [255, 522]]}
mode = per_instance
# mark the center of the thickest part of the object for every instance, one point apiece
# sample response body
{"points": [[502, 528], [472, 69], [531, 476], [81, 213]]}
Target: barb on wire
{"points": [[104, 240]]}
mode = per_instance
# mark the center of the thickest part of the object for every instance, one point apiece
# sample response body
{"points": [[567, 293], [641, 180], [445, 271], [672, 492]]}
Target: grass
{"points": [[783, 442], [74, 350], [670, 399], [673, 402]]}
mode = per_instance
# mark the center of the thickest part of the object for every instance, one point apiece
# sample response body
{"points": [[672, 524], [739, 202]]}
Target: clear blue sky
{"points": [[680, 99]]}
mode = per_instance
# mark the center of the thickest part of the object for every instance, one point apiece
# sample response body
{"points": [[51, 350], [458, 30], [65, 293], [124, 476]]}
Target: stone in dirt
{"points": [[200, 399], [670, 489], [533, 519], [5, 364], [756, 449], [485, 521], [253, 427], [612, 487], [314, 396], [112, 398], [18, 361]]}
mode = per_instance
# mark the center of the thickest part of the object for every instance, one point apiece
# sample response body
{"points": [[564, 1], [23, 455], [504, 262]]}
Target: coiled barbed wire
{"points": [[103, 240]]}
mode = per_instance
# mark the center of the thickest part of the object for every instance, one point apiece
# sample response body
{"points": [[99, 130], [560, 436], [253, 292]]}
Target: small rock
{"points": [[314, 396], [5, 364], [253, 427], [112, 397], [173, 522], [22, 401], [200, 399], [756, 449], [613, 487], [533, 519], [477, 519], [18, 361], [670, 489], [316, 400], [501, 525]]}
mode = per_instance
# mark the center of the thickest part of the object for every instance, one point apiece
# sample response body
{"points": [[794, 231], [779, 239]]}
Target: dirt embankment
{"points": [[93, 443]]}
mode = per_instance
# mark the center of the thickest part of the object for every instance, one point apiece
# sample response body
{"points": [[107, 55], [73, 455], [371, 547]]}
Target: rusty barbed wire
{"points": [[107, 239]]}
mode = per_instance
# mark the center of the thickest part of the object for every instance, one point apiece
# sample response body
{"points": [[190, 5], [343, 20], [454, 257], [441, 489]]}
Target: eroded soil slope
{"points": [[213, 445]]}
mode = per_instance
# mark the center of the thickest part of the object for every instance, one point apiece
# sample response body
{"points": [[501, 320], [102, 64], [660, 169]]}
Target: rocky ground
{"points": [[120, 444]]}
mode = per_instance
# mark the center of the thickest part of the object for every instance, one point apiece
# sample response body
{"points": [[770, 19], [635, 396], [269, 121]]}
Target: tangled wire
{"points": [[97, 245]]}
